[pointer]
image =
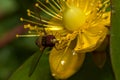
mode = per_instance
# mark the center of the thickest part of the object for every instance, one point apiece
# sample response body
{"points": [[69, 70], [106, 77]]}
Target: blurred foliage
{"points": [[115, 38], [14, 53]]}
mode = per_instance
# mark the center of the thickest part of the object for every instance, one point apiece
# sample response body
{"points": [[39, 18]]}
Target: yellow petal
{"points": [[89, 39], [65, 65], [106, 18]]}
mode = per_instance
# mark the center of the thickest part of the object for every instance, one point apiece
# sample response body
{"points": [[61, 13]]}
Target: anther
{"points": [[28, 10], [36, 4], [21, 19], [29, 14], [47, 1]]}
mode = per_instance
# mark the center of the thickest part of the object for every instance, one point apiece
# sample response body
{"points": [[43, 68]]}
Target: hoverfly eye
{"points": [[47, 41]]}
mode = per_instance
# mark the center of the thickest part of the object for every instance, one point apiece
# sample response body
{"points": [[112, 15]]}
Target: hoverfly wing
{"points": [[35, 62], [36, 59]]}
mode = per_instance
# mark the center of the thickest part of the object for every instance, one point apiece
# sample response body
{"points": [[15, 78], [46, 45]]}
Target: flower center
{"points": [[73, 18]]}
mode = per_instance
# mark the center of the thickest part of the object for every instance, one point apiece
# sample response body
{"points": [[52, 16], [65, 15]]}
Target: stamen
{"points": [[63, 4], [101, 12], [31, 27], [105, 2], [105, 6], [35, 17], [37, 5], [29, 11], [17, 35], [54, 28], [54, 7], [101, 9], [49, 9], [29, 21], [77, 3], [47, 1], [86, 6], [32, 14], [47, 27], [50, 22], [58, 5]]}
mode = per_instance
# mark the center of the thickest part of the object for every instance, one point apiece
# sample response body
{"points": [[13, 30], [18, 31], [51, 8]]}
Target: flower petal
{"points": [[89, 39], [106, 18], [63, 65]]}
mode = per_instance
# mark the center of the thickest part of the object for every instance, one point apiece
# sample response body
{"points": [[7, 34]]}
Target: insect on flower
{"points": [[73, 28]]}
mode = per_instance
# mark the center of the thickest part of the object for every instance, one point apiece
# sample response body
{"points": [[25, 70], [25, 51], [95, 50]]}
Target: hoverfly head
{"points": [[46, 41]]}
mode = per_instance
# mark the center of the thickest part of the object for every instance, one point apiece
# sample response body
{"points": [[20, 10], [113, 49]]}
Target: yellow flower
{"points": [[79, 26]]}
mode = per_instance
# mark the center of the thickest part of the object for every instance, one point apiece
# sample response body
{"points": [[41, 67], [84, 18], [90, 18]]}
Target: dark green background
{"points": [[17, 50]]}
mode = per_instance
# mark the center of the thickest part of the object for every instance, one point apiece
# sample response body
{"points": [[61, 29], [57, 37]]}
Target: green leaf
{"points": [[41, 72], [36, 59], [115, 38]]}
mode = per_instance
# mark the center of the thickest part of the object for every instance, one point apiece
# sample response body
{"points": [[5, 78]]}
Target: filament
{"points": [[37, 5], [50, 10], [17, 35]]}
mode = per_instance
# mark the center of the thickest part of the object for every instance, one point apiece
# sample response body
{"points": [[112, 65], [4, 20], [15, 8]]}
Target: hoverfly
{"points": [[43, 42]]}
